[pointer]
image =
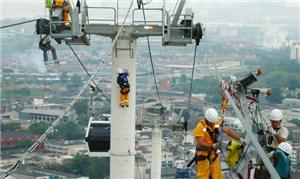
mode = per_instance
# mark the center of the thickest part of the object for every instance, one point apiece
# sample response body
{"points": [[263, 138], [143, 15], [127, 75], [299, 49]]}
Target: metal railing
{"points": [[114, 19], [142, 21]]}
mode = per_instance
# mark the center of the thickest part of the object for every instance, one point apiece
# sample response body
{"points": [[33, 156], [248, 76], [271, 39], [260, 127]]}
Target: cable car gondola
{"points": [[98, 138]]}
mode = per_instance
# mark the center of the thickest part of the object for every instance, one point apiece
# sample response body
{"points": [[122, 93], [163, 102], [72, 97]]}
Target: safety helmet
{"points": [[120, 70], [286, 147], [211, 115], [275, 115]]}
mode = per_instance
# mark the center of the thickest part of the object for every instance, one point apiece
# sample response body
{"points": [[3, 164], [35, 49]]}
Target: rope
{"points": [[191, 87], [117, 36], [24, 22], [151, 60], [107, 99]]}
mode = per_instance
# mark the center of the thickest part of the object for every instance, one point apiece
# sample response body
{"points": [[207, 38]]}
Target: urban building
{"points": [[47, 115], [295, 51], [67, 147]]}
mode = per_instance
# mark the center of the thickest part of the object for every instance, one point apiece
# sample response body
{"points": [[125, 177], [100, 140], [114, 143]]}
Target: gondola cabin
{"points": [[98, 138]]}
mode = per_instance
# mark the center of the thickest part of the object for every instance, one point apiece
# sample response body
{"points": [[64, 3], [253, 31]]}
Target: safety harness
{"points": [[214, 136], [270, 140], [123, 83], [42, 46]]}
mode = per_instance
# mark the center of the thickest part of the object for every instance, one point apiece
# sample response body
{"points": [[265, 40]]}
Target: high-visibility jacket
{"points": [[209, 135], [235, 150], [59, 3]]}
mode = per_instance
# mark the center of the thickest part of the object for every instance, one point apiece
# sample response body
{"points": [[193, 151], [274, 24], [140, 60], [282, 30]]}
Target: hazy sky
{"points": [[203, 8]]}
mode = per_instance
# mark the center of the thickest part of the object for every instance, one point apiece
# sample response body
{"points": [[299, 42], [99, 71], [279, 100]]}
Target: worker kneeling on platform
{"points": [[122, 80], [65, 5], [208, 146]]}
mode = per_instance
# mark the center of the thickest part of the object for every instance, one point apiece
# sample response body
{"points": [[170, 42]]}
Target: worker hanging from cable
{"points": [[65, 5], [208, 146], [124, 85], [45, 46]]}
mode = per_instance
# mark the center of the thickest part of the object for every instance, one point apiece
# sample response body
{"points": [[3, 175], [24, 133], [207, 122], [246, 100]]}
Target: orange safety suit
{"points": [[66, 6], [124, 97], [208, 161]]}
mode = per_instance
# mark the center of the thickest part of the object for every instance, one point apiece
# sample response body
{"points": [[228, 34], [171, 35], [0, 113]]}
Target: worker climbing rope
{"points": [[124, 85]]}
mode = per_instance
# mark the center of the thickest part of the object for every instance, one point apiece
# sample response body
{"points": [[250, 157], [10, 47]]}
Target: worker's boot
{"points": [[122, 104], [126, 103]]}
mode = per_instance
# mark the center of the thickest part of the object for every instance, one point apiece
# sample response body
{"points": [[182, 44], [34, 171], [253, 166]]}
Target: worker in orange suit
{"points": [[206, 136], [65, 4], [122, 80]]}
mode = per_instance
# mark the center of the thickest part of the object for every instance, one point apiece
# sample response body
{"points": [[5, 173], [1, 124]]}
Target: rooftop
{"points": [[44, 111]]}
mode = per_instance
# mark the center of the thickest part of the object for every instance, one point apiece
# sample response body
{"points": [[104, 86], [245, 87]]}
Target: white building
{"points": [[66, 148], [295, 51]]}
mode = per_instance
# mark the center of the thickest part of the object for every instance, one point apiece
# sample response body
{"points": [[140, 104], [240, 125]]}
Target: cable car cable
{"points": [[151, 60], [20, 23], [190, 93], [88, 73]]}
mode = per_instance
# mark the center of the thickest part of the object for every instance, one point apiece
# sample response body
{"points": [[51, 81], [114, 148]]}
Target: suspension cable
{"points": [[190, 93], [151, 60], [107, 99], [24, 22], [120, 30]]}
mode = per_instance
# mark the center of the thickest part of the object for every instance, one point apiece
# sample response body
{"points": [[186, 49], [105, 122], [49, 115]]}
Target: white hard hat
{"points": [[275, 115], [211, 115], [286, 147], [120, 70]]}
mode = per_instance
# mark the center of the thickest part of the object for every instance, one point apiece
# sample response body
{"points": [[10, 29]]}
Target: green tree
{"points": [[10, 127], [68, 130], [86, 166], [295, 121], [208, 85], [64, 77], [8, 70], [81, 107], [24, 144], [276, 95], [38, 127], [76, 80], [83, 120]]}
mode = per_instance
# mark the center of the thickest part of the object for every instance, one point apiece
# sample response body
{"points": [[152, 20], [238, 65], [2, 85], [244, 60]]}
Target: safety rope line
{"points": [[120, 30], [107, 99], [223, 117], [191, 87], [151, 60], [24, 22]]}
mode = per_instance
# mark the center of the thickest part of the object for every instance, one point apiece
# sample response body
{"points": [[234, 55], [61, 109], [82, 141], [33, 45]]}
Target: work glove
{"points": [[242, 141], [271, 131], [216, 146], [270, 154]]}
